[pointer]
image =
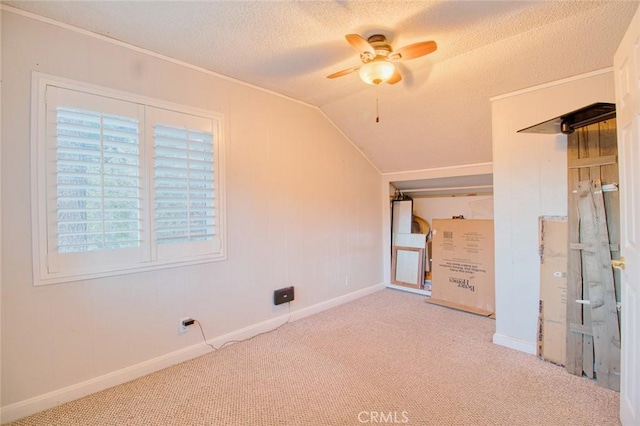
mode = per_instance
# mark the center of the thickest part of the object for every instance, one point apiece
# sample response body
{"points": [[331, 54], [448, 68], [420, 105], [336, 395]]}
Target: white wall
{"points": [[303, 209], [530, 180], [471, 207]]}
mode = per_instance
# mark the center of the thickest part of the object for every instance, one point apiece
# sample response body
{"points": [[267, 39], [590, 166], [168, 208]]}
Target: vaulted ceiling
{"points": [[438, 115]]}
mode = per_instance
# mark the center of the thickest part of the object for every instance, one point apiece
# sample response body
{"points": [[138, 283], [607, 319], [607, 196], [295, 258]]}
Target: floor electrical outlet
{"points": [[185, 323], [283, 295]]}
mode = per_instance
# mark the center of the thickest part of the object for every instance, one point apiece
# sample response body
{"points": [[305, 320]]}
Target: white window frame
{"points": [[42, 274]]}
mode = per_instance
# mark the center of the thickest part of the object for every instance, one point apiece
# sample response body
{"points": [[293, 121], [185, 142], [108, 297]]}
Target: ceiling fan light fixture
{"points": [[377, 71]]}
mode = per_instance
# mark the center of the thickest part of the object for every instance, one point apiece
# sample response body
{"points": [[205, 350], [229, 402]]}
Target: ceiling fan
{"points": [[378, 57]]}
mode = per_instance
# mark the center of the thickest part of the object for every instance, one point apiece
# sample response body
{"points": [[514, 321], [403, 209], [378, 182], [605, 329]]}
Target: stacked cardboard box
{"points": [[463, 265]]}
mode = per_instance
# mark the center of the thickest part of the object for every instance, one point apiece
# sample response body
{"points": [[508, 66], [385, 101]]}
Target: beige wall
{"points": [[303, 209]]}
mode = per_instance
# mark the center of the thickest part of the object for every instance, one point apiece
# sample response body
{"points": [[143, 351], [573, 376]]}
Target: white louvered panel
{"points": [[184, 185], [98, 181]]}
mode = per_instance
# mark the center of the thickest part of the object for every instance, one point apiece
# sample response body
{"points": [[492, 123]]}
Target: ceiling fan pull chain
{"points": [[377, 111]]}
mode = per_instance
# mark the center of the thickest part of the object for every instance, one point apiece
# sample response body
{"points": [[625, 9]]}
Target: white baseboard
{"points": [[49, 400], [52, 399], [332, 303], [513, 343]]}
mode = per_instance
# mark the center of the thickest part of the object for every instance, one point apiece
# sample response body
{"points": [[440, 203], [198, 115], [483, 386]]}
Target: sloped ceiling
{"points": [[439, 115]]}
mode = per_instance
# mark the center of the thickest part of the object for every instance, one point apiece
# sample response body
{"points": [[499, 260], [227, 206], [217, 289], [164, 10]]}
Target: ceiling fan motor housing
{"points": [[380, 46]]}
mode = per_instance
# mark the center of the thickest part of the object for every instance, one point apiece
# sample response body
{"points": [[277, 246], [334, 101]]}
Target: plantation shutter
{"points": [[95, 204], [122, 183], [184, 185]]}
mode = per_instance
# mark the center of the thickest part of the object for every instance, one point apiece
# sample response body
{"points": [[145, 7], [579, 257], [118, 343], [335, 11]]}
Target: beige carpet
{"points": [[388, 357]]}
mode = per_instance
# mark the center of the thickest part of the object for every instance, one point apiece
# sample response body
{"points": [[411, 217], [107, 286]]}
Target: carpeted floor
{"points": [[385, 358]]}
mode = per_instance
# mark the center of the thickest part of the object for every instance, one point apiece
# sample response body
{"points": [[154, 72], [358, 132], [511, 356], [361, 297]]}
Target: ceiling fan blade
{"points": [[414, 51], [360, 45], [343, 72], [396, 77]]}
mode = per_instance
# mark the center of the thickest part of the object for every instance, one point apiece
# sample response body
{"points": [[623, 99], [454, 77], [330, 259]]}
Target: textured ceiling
{"points": [[439, 115]]}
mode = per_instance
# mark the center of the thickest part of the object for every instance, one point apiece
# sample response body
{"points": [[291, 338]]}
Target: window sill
{"points": [[50, 279]]}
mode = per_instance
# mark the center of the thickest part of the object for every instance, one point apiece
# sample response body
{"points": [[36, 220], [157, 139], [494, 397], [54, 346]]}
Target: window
{"points": [[97, 171], [122, 183]]}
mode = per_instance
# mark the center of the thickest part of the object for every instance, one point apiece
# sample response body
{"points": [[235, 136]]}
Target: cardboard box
{"points": [[552, 317], [463, 265]]}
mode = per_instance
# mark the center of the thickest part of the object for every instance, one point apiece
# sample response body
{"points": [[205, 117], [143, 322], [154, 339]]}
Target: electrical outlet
{"points": [[185, 323], [283, 295], [347, 280]]}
